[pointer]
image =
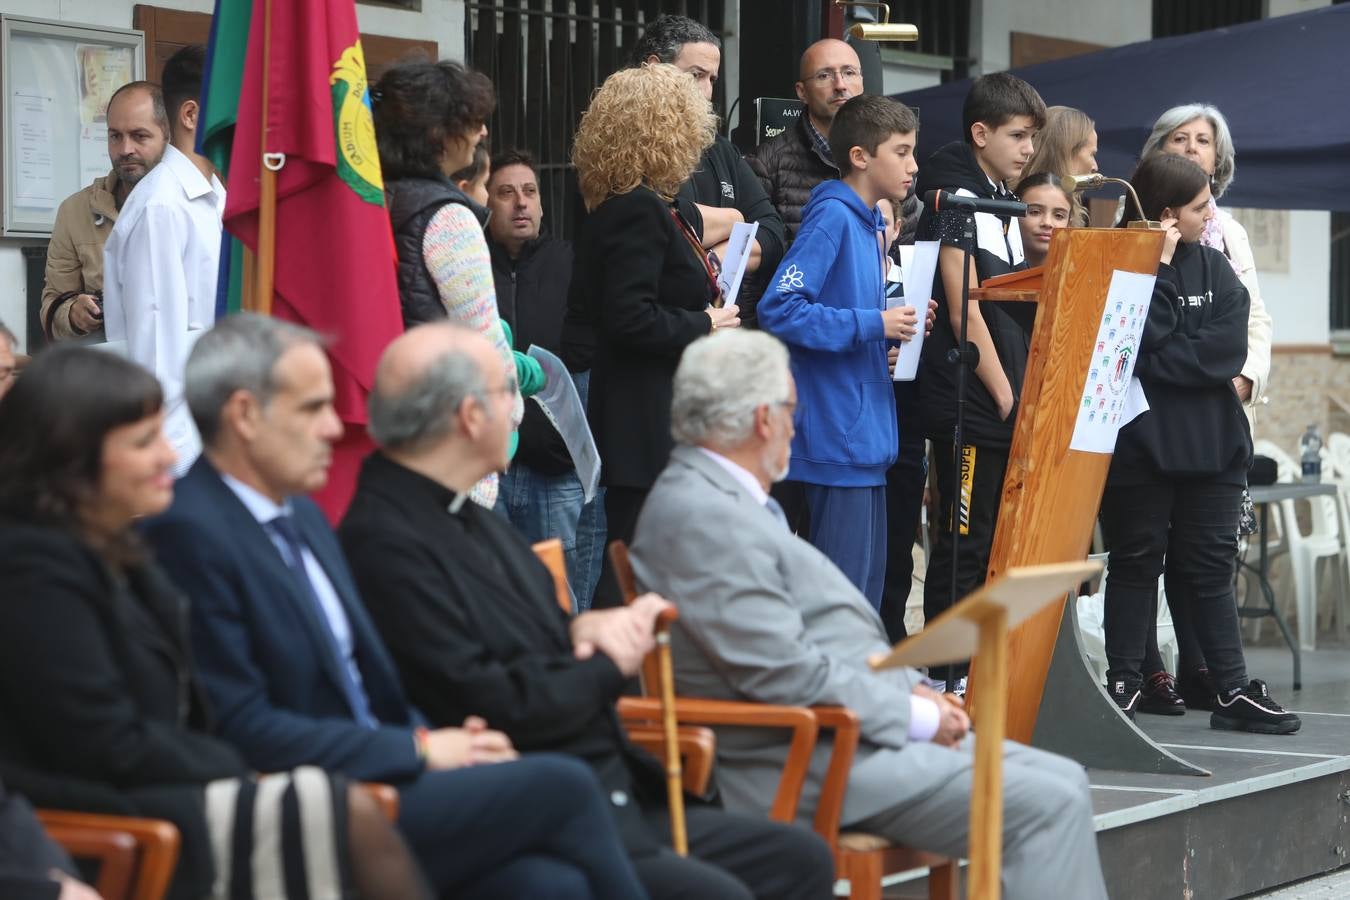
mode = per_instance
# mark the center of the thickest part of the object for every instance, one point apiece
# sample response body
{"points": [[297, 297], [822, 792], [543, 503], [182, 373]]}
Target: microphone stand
{"points": [[965, 357]]}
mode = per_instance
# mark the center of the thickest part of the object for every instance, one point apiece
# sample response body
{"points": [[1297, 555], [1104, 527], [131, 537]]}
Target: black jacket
{"points": [[724, 179], [997, 250], [467, 611], [99, 710], [413, 203], [639, 291], [532, 298], [1194, 345]]}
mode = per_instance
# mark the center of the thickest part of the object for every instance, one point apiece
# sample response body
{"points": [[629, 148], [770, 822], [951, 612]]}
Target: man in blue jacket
{"points": [[827, 302]]}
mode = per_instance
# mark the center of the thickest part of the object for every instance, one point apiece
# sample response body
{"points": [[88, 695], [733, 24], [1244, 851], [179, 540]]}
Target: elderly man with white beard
{"points": [[765, 616]]}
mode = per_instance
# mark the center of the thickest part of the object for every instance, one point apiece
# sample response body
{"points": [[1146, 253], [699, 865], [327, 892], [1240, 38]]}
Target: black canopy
{"points": [[1282, 83]]}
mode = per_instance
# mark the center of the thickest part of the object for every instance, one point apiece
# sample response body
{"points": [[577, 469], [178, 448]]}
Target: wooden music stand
{"points": [[1051, 493], [981, 621]]}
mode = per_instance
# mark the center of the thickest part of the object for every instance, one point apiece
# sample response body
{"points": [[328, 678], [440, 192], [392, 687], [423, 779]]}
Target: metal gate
{"points": [[545, 58]]}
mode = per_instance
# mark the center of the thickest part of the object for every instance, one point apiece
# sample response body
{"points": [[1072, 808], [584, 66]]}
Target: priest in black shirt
{"points": [[469, 614]]}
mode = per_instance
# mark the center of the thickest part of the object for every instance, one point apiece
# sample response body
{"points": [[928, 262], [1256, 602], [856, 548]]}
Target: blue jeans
{"points": [[553, 506]]}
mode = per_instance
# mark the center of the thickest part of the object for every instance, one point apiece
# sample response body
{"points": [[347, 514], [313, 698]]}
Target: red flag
{"points": [[335, 269]]}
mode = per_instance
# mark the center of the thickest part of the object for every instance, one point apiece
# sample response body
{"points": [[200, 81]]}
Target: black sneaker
{"points": [[1159, 696], [1196, 690], [1251, 709], [1125, 692]]}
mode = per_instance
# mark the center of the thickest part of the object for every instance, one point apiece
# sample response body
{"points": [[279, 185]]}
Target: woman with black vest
{"points": [[1175, 484], [429, 119]]}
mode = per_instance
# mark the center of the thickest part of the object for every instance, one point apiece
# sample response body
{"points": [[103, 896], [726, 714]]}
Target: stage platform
{"points": [[1276, 809]]}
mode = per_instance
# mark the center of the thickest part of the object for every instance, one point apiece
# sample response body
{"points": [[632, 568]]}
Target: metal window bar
{"points": [[545, 58]]}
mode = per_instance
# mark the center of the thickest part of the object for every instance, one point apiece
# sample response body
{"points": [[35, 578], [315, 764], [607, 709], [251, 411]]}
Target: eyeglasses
{"points": [[827, 76]]}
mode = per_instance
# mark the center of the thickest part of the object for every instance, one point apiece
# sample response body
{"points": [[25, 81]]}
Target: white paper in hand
{"points": [[739, 246], [562, 404], [918, 289]]}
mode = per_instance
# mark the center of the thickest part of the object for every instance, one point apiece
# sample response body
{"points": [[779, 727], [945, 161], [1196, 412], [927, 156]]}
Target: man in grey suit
{"points": [[765, 616]]}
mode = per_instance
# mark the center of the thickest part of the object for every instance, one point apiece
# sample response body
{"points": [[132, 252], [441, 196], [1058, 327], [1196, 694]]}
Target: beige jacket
{"points": [[1259, 323], [75, 254]]}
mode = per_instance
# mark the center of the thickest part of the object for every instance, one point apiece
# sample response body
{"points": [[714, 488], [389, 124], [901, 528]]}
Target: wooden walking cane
{"points": [[658, 671], [674, 771]]}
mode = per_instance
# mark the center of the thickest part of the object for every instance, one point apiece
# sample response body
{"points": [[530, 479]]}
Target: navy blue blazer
{"points": [[258, 643]]}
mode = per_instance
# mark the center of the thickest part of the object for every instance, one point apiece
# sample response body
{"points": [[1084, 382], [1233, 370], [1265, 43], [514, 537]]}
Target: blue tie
{"points": [[776, 510], [284, 527]]}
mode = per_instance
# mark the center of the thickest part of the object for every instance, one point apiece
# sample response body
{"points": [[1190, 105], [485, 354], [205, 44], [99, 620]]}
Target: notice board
{"points": [[56, 79]]}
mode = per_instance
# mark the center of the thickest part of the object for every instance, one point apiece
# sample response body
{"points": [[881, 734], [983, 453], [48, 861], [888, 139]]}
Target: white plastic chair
{"points": [[1336, 469], [1323, 541]]}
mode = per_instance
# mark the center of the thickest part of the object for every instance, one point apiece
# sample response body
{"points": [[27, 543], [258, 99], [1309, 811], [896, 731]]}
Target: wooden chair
{"points": [[136, 857], [861, 858], [697, 744]]}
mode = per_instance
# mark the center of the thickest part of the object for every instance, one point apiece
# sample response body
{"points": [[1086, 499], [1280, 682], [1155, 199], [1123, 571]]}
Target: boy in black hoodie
{"points": [[1001, 116], [1174, 490]]}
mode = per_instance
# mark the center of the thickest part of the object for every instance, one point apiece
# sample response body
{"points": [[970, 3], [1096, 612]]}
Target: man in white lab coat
{"points": [[161, 260]]}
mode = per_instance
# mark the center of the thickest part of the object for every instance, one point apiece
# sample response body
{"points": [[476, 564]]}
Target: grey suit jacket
{"points": [[766, 616]]}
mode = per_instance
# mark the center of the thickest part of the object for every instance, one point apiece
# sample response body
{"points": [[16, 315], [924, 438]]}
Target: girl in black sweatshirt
{"points": [[1174, 491]]}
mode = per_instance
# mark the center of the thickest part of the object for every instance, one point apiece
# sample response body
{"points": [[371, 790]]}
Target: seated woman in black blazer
{"points": [[642, 281], [97, 702]]}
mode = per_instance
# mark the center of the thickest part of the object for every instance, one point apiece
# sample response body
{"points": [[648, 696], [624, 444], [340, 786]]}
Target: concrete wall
{"points": [[439, 20], [1109, 22]]}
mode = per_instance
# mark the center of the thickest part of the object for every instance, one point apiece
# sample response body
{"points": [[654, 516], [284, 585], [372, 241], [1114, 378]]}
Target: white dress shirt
{"points": [[264, 510], [159, 281], [924, 716]]}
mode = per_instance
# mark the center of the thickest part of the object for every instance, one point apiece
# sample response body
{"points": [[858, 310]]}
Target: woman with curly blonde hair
{"points": [[643, 289]]}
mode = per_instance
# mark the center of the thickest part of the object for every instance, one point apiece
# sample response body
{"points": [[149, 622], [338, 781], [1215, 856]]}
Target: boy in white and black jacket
{"points": [[1001, 116]]}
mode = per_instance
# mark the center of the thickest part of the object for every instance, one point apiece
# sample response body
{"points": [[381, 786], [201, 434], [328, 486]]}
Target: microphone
{"points": [[940, 200], [1072, 184]]}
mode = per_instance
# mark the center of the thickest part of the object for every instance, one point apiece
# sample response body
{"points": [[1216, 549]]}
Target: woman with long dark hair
{"points": [[1176, 480], [97, 698]]}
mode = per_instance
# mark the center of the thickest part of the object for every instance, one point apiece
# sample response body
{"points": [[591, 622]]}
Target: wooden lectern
{"points": [[982, 621], [1051, 493]]}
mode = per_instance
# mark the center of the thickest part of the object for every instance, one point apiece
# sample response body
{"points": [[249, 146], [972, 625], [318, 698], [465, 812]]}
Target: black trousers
{"points": [[1183, 526], [979, 481], [905, 482], [538, 827], [736, 858], [622, 507]]}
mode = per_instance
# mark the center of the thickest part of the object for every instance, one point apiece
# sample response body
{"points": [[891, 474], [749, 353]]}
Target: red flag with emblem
{"points": [[334, 250]]}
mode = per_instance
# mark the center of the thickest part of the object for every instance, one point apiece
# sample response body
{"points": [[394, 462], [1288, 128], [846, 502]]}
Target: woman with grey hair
{"points": [[1200, 132]]}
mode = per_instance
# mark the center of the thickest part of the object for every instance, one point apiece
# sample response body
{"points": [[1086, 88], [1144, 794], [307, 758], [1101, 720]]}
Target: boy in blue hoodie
{"points": [[827, 302]]}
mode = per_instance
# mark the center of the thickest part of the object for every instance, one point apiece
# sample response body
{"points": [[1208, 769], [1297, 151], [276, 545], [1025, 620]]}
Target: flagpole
{"points": [[267, 200]]}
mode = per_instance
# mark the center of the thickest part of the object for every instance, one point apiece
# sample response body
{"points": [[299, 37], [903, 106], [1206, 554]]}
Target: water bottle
{"points": [[1311, 445]]}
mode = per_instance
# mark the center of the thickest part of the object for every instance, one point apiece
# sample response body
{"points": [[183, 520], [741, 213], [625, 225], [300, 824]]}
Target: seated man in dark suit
{"points": [[293, 667], [469, 615], [766, 616]]}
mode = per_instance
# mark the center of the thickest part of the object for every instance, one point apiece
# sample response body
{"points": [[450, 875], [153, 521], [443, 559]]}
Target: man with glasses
{"points": [[791, 164], [723, 191]]}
